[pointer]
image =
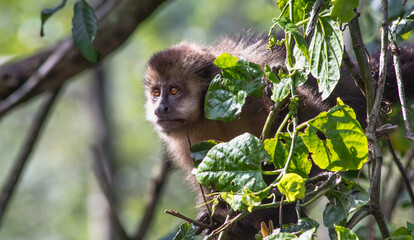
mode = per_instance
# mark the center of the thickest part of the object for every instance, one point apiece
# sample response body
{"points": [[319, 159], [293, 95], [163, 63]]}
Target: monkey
{"points": [[176, 81]]}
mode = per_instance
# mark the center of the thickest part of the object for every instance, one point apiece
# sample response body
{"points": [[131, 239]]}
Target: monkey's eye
{"points": [[156, 93], [174, 91]]}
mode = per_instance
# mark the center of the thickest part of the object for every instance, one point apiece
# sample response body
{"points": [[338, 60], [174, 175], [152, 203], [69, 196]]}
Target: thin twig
{"points": [[375, 188], [352, 69], [401, 93], [15, 174], [358, 216], [194, 222], [103, 181], [310, 29], [393, 196], [402, 171], [154, 193], [360, 54], [17, 96]]}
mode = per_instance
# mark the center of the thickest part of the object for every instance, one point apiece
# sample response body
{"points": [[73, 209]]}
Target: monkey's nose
{"points": [[161, 110]]}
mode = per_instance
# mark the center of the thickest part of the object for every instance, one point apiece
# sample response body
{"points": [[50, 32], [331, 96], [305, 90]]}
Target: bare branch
{"points": [[103, 181], [36, 129], [317, 6], [153, 195], [194, 222], [117, 23], [402, 171], [34, 81], [401, 93]]}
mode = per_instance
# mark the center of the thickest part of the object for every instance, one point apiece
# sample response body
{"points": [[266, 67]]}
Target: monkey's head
{"points": [[176, 81]]}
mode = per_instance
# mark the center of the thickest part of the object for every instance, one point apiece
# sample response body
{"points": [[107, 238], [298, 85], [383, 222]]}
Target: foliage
{"points": [[334, 140], [85, 26]]}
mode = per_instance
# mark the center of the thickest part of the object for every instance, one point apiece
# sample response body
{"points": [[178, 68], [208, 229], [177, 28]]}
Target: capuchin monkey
{"points": [[177, 79]]}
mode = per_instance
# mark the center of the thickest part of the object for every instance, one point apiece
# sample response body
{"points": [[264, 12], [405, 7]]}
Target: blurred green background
{"points": [[58, 197]]}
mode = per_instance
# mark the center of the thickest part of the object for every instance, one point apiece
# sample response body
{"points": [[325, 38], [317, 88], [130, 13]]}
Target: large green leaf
{"points": [[85, 26], [226, 94], [292, 186], [279, 151], [233, 166], [326, 50], [336, 140]]}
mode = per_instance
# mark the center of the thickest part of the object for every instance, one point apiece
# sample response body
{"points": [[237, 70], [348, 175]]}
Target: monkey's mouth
{"points": [[170, 120], [170, 124]]}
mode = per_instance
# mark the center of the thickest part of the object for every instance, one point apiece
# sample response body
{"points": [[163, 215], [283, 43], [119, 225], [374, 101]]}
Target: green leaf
{"points": [[226, 60], [326, 50], [85, 26], [301, 8], [343, 10], [344, 233], [186, 232], [402, 233], [304, 224], [240, 201], [226, 95], [199, 150], [410, 227], [292, 186], [279, 151], [233, 166], [47, 13], [344, 197], [278, 235], [291, 28], [281, 88], [336, 140]]}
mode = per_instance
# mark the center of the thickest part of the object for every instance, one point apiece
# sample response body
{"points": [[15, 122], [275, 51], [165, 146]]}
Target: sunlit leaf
{"points": [[292, 186], [344, 233], [336, 140], [326, 50], [279, 151], [234, 165], [343, 10], [227, 94]]}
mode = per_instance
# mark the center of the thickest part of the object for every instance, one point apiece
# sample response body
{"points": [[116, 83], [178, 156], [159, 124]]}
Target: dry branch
{"points": [[117, 21]]}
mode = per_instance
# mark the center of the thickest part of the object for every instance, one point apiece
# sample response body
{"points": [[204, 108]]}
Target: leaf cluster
{"points": [[334, 140]]}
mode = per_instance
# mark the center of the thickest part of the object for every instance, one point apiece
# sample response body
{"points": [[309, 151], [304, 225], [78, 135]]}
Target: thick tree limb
{"points": [[117, 21]]}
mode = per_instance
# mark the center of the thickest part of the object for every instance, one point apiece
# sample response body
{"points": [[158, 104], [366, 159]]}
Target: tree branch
{"points": [[103, 181], [402, 171], [401, 93], [117, 21], [153, 195], [36, 129]]}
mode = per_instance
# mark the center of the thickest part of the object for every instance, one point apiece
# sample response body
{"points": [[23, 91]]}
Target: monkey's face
{"points": [[171, 104]]}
